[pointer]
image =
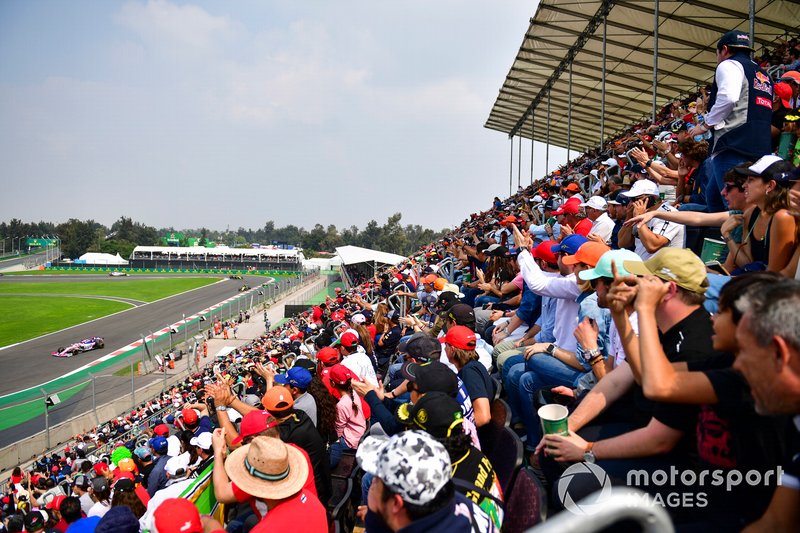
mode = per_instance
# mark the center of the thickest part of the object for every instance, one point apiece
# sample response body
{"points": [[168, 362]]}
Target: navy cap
{"points": [[738, 39], [569, 245], [296, 377]]}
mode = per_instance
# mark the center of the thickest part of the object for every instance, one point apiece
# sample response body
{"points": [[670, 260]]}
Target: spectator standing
{"points": [[740, 113]]}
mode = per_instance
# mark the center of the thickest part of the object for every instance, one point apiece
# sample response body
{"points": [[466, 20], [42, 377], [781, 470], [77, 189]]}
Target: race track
{"points": [[29, 363]]}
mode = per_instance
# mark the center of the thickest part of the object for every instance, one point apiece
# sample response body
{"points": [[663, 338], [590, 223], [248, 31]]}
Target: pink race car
{"points": [[92, 343]]}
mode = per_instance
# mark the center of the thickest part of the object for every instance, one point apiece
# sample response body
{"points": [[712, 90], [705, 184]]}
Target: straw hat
{"points": [[268, 468]]}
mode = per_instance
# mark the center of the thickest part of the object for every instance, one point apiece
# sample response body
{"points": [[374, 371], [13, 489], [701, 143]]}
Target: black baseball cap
{"points": [[735, 39], [463, 315], [436, 413], [423, 348], [432, 376]]}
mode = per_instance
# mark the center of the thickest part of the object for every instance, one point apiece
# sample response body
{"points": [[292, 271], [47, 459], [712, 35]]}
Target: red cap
{"points": [[460, 337], [511, 219], [784, 92], [177, 515], [54, 469], [254, 423], [100, 467], [348, 339], [189, 416], [430, 279], [544, 252], [328, 356], [340, 374], [573, 205], [56, 502], [278, 399], [161, 430]]}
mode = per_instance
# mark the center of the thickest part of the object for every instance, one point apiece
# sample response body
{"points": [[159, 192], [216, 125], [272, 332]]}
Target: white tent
{"points": [[352, 255], [95, 258]]}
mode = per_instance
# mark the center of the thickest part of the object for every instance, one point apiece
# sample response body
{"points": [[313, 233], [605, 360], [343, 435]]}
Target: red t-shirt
{"points": [[259, 507], [302, 508], [584, 227]]}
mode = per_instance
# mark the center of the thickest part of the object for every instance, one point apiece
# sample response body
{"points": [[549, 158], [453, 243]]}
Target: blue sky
{"points": [[233, 113]]}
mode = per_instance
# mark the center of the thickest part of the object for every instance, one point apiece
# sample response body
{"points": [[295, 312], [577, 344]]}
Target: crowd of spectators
{"points": [[585, 290]]}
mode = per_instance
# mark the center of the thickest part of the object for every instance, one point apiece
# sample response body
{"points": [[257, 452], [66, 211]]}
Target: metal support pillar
{"points": [[603, 85], [569, 111], [511, 166], [655, 57], [519, 162], [547, 147], [533, 125], [752, 23], [46, 417], [133, 389]]}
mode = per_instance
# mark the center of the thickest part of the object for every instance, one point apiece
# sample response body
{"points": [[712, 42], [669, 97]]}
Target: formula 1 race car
{"points": [[117, 274], [92, 343]]}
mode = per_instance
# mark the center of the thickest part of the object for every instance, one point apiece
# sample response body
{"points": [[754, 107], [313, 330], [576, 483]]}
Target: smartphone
{"points": [[717, 268]]}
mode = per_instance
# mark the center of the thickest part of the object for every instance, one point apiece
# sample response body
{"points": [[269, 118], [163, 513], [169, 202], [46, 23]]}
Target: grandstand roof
{"points": [[219, 250], [353, 254], [571, 32]]}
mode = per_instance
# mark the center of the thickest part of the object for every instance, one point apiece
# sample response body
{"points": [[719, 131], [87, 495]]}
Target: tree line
{"points": [[80, 236]]}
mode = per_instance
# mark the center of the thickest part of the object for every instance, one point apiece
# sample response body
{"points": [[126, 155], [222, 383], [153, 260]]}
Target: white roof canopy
{"points": [[564, 34], [353, 254]]}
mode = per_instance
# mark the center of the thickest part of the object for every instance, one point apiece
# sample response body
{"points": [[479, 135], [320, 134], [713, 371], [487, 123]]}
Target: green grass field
{"points": [[26, 317], [146, 290]]}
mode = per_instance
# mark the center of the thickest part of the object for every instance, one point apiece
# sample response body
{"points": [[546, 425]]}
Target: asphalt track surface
{"points": [[29, 363]]}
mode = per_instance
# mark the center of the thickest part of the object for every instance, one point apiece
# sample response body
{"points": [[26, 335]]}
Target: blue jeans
{"points": [[542, 371], [513, 368], [483, 299], [337, 449], [715, 168]]}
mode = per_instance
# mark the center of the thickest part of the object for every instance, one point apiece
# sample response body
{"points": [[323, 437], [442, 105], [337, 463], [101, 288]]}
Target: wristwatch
{"points": [[222, 408], [551, 349], [588, 455], [591, 354]]}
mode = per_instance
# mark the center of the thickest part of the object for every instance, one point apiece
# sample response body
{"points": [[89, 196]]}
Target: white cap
{"points": [[641, 188], [610, 162], [176, 464], [203, 440], [596, 202], [594, 172]]}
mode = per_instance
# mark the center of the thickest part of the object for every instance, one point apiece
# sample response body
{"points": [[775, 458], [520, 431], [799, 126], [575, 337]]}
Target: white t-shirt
{"points": [[615, 348], [360, 364], [99, 509], [603, 227], [674, 232]]}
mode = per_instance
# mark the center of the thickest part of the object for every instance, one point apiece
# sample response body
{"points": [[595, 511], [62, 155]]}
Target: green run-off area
{"points": [[145, 290], [29, 309], [26, 317]]}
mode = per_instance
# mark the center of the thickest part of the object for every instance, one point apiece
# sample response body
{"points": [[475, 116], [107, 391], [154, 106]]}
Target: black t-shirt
{"points": [[475, 469], [689, 340], [477, 381], [298, 429], [731, 435], [778, 118]]}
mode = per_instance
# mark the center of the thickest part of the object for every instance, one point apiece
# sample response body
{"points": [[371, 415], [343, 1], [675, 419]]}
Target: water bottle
{"points": [[707, 135]]}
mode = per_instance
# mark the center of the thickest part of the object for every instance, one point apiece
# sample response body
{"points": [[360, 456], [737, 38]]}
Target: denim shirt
{"points": [[588, 307]]}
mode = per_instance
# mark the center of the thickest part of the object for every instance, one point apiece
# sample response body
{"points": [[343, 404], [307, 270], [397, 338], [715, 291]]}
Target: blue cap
{"points": [[170, 419], [159, 445], [569, 245], [296, 377]]}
